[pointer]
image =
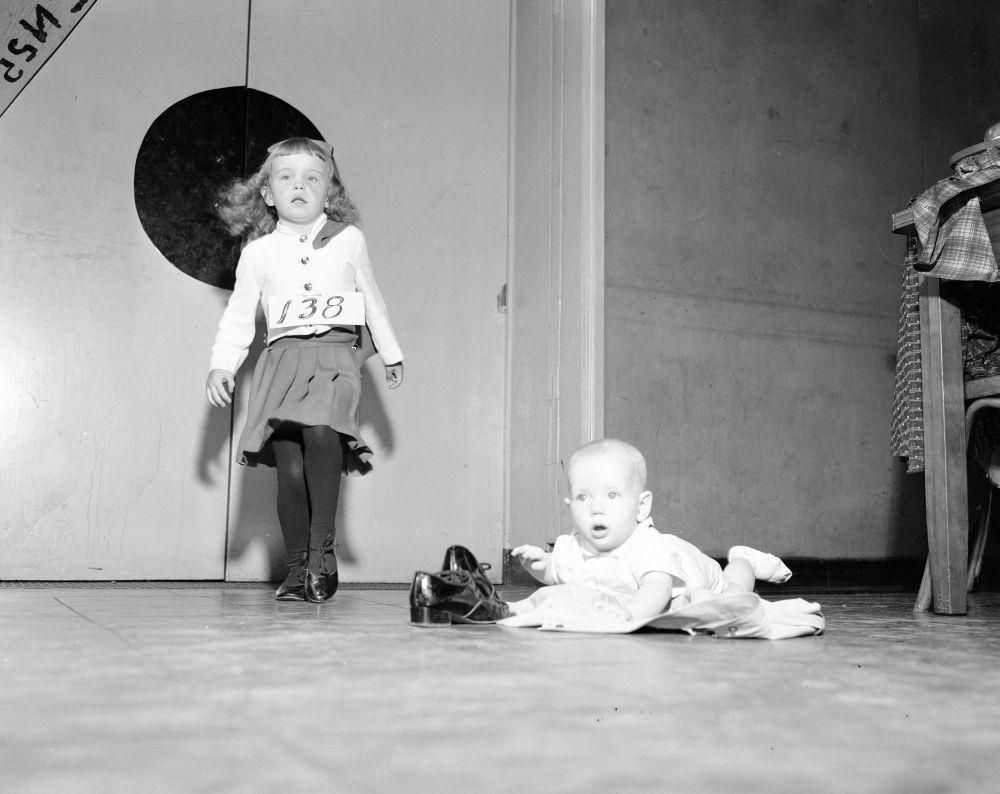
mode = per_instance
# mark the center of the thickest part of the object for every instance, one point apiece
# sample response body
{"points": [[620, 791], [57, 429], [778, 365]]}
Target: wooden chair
{"points": [[944, 442], [979, 394]]}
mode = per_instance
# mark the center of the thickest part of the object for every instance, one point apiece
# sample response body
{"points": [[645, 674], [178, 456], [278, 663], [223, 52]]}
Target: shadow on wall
{"points": [[908, 534], [252, 516]]}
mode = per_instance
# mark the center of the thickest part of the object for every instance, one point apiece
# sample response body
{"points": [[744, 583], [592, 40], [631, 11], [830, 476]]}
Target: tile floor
{"points": [[218, 688]]}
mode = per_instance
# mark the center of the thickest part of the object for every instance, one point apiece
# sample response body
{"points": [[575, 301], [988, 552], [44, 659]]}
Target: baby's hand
{"points": [[394, 375], [531, 557], [219, 387]]}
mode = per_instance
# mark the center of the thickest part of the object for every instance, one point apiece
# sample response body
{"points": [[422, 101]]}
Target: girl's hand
{"points": [[394, 375], [219, 387]]}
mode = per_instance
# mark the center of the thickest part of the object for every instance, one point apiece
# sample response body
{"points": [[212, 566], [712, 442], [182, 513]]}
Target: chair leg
{"points": [[924, 595], [979, 545]]}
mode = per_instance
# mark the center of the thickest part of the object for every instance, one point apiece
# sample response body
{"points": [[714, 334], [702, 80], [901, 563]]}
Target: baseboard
{"points": [[892, 574]]}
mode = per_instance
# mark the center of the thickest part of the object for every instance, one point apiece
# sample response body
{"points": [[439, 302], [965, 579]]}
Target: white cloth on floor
{"points": [[738, 615]]}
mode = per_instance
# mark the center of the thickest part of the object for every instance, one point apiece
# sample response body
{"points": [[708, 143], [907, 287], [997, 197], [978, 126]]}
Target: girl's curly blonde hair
{"points": [[242, 207]]}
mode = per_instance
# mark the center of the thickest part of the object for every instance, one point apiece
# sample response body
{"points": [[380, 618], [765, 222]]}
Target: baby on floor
{"points": [[615, 549]]}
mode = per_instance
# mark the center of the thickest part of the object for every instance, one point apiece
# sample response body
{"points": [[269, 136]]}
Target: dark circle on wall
{"points": [[195, 148]]}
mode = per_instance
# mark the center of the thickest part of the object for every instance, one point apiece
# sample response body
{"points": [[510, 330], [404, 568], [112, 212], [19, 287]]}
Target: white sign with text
{"points": [[288, 311]]}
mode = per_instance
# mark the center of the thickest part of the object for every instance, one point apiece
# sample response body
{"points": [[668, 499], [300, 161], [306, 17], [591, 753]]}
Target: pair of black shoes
{"points": [[302, 584], [460, 593]]}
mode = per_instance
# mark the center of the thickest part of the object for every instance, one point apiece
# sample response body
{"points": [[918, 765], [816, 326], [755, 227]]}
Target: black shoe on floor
{"points": [[293, 588], [320, 587], [459, 558], [322, 581], [440, 599]]}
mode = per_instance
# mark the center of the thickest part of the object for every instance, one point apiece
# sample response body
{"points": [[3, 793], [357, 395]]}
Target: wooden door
{"points": [[111, 459], [414, 97], [114, 465]]}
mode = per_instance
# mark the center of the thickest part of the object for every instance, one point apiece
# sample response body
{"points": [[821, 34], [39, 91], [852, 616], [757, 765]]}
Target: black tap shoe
{"points": [[440, 599], [459, 558], [322, 584], [320, 587], [293, 588]]}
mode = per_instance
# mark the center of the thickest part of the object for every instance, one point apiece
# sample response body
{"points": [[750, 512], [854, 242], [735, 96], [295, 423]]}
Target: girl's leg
{"points": [[323, 459], [293, 505]]}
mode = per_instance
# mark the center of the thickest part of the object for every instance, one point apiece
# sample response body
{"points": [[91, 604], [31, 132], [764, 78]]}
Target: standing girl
{"points": [[306, 264]]}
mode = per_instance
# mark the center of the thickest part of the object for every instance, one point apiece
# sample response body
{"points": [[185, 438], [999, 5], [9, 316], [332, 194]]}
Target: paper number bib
{"points": [[288, 311]]}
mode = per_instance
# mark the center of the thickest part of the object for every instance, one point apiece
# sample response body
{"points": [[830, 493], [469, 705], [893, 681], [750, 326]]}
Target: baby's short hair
{"points": [[618, 448]]}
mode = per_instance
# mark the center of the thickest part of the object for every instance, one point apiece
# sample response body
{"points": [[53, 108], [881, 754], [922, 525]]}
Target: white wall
{"points": [[108, 453], [114, 466], [755, 153]]}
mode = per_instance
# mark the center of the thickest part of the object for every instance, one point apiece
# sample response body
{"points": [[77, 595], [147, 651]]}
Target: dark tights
{"points": [[309, 462]]}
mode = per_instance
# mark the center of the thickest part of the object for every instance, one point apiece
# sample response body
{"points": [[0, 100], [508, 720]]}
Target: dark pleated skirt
{"points": [[306, 381]]}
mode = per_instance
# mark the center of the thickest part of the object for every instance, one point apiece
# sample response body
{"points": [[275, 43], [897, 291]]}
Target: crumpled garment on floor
{"points": [[565, 607]]}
